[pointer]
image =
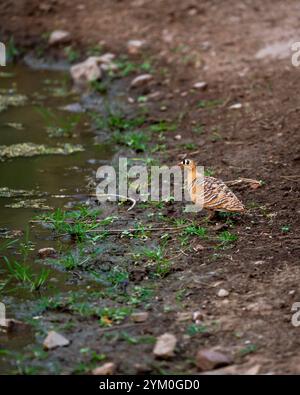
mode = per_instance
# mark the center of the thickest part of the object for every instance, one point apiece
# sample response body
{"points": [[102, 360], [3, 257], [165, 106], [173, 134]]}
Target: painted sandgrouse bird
{"points": [[215, 195]]}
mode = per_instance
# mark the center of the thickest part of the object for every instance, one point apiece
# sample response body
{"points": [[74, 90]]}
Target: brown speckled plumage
{"points": [[215, 196]]}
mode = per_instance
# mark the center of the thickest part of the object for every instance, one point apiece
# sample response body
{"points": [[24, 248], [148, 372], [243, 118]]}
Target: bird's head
{"points": [[187, 164]]}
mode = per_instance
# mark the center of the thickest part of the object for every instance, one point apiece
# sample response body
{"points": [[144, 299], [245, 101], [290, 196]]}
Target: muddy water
{"points": [[46, 175]]}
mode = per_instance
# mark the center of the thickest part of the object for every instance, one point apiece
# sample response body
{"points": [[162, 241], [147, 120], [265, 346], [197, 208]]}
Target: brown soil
{"points": [[215, 42]]}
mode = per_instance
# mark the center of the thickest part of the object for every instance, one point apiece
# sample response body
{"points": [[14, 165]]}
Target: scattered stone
{"points": [[259, 262], [74, 107], [13, 326], [165, 346], [184, 316], [253, 370], [140, 316], [210, 359], [178, 137], [135, 46], [198, 316], [47, 252], [91, 69], [157, 95], [141, 80], [200, 85], [198, 247], [86, 71], [108, 368], [260, 306], [59, 37], [235, 106], [54, 340], [222, 293]]}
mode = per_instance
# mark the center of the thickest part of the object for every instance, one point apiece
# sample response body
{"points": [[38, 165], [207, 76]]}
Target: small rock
{"points": [[200, 85], [235, 106], [198, 316], [198, 247], [210, 359], [46, 252], [184, 316], [73, 107], [178, 137], [253, 370], [91, 69], [106, 58], [165, 346], [86, 71], [141, 80], [222, 293], [59, 37], [134, 46], [140, 316], [106, 369], [54, 340]]}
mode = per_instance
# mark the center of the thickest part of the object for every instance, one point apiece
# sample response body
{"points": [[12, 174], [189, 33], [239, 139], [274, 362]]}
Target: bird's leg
{"points": [[211, 215]]}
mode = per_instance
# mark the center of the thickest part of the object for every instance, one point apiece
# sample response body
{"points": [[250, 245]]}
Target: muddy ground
{"points": [[187, 42]]}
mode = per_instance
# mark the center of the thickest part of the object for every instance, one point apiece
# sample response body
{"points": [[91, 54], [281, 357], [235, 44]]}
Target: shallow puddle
{"points": [[49, 180]]}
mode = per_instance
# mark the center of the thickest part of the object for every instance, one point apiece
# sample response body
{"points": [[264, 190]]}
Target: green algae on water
{"points": [[6, 192], [31, 149], [11, 100], [30, 203]]}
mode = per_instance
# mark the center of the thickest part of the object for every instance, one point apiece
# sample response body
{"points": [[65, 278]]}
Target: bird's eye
{"points": [[187, 162]]}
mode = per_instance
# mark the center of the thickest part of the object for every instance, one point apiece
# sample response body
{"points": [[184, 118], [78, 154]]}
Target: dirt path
{"points": [[241, 52]]}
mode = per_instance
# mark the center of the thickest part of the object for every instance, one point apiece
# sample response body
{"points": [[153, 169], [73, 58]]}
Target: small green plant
{"points": [[95, 50], [195, 230], [99, 86], [72, 261], [125, 66], [190, 146], [72, 54], [195, 329], [12, 52], [209, 103], [110, 315], [116, 121], [58, 126], [226, 237], [135, 140], [208, 172], [77, 223], [199, 129], [285, 229], [23, 274], [157, 256], [251, 348], [162, 126], [216, 136]]}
